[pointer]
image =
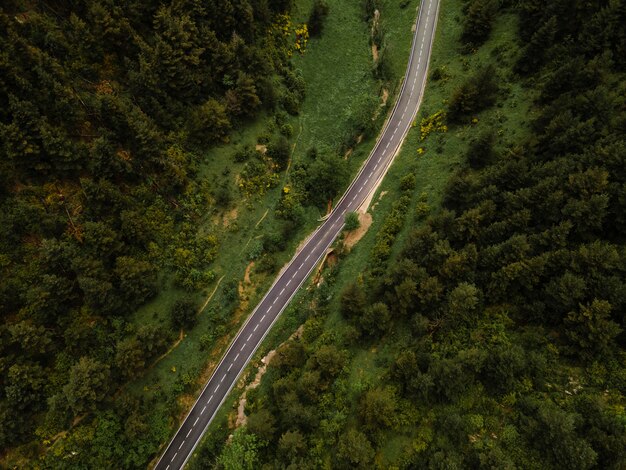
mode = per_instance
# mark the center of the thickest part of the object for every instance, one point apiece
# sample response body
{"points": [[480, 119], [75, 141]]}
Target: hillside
{"points": [[480, 322]]}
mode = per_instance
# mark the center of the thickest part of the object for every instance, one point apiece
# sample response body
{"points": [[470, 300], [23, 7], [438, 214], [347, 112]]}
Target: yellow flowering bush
{"points": [[282, 23], [302, 37], [433, 123]]}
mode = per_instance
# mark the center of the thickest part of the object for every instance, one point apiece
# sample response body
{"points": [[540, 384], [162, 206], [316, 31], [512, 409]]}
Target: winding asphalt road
{"points": [[297, 271]]}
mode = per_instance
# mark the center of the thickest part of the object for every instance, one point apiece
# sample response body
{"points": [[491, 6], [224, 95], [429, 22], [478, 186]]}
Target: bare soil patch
{"points": [[351, 238], [229, 217], [241, 418], [246, 276]]}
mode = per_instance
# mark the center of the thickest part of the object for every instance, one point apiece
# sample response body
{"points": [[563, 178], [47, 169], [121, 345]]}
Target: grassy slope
{"points": [[444, 153]]}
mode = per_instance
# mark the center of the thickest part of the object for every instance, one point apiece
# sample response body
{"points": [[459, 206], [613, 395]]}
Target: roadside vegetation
{"points": [[479, 322]]}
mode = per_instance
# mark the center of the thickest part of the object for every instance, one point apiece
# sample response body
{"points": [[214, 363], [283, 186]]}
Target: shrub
{"points": [[477, 93], [352, 221], [243, 153], [318, 15], [183, 313]]}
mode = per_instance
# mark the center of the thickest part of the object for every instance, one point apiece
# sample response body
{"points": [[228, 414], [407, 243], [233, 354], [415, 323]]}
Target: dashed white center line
{"points": [[204, 408], [289, 281], [209, 400], [244, 344], [236, 357], [195, 422], [378, 159], [255, 327], [189, 433], [281, 292], [307, 258], [218, 386], [181, 445], [223, 378], [375, 166], [174, 456], [268, 310], [300, 267], [229, 367], [263, 318], [167, 468]]}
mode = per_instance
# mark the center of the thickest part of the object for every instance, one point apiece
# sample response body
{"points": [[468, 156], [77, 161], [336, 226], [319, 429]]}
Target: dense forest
{"points": [[105, 110], [504, 309]]}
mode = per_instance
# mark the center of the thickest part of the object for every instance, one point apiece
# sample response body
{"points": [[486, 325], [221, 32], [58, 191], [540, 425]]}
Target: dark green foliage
{"points": [[351, 221], [478, 20], [317, 17], [279, 150], [477, 93], [87, 386], [480, 152], [324, 178], [355, 449], [183, 313]]}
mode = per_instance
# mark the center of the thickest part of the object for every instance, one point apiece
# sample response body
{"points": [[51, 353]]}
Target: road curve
{"points": [[293, 276]]}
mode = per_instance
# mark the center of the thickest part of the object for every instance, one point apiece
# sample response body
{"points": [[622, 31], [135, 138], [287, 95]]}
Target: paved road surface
{"points": [[260, 321]]}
